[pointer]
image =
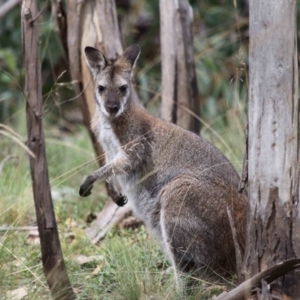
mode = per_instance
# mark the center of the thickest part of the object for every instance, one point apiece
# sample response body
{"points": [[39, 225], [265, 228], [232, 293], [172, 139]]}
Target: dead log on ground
{"points": [[248, 287]]}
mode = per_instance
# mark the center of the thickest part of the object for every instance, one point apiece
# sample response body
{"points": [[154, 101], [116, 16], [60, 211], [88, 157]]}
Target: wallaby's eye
{"points": [[123, 88], [101, 88]]}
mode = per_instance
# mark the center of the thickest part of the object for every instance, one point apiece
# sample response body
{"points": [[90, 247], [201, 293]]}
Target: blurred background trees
{"points": [[220, 49]]}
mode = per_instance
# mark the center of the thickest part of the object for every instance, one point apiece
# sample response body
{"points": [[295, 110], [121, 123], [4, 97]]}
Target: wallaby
{"points": [[176, 182]]}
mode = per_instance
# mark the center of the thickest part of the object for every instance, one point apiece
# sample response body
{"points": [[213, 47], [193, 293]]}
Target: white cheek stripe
{"points": [[122, 107], [100, 101]]}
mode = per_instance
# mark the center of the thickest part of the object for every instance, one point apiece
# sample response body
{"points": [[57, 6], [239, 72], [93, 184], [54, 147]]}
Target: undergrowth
{"points": [[129, 264]]}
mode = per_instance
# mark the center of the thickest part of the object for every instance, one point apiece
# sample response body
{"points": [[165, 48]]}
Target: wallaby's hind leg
{"points": [[178, 265], [196, 233], [168, 249]]}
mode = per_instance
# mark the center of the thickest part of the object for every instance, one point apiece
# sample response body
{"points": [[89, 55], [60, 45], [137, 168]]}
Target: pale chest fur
{"points": [[109, 142], [130, 184]]}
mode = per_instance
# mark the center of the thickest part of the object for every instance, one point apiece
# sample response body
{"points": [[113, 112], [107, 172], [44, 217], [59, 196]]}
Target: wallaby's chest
{"points": [[110, 143]]}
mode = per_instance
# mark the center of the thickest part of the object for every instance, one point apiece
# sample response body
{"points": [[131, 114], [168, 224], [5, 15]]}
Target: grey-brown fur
{"points": [[175, 181]]}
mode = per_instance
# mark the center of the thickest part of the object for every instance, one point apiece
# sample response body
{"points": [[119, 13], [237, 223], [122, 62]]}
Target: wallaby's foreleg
{"points": [[116, 167]]}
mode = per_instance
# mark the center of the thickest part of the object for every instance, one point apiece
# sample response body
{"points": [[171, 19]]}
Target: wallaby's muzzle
{"points": [[112, 108], [112, 103]]}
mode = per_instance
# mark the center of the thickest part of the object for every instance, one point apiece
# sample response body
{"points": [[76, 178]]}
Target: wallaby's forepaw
{"points": [[86, 187], [121, 201]]}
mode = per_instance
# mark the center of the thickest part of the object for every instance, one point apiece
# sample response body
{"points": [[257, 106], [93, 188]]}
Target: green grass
{"points": [[133, 266]]}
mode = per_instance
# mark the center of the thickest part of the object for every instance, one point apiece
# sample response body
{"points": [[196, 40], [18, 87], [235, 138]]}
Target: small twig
{"points": [[38, 14], [238, 253], [60, 18], [244, 177]]}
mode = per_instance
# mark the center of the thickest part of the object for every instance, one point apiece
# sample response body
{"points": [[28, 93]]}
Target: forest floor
{"points": [[127, 264]]}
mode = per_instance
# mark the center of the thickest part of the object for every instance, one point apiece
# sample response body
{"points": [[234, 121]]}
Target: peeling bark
{"points": [[273, 169]]}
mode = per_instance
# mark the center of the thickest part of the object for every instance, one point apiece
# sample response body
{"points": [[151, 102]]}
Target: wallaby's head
{"points": [[113, 89]]}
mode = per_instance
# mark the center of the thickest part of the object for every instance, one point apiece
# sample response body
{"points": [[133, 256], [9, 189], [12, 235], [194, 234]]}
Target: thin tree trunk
{"points": [[273, 168], [180, 97], [60, 18], [52, 257], [74, 34], [99, 29]]}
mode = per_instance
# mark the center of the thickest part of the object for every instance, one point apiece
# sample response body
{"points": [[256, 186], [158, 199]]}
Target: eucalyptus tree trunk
{"points": [[180, 97], [90, 23], [87, 23], [52, 257], [273, 150]]}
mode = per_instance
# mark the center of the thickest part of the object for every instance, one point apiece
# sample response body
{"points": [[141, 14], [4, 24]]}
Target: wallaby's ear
{"points": [[95, 60], [129, 57]]}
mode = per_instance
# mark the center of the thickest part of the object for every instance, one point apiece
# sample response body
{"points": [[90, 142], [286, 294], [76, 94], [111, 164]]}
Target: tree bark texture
{"points": [[180, 96], [110, 216], [52, 257], [89, 23], [273, 168], [60, 18]]}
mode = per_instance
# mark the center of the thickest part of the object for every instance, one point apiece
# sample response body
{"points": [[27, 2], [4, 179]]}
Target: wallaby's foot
{"points": [[121, 200], [86, 187]]}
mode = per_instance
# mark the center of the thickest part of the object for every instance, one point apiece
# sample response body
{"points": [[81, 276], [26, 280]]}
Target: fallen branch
{"points": [[110, 215], [247, 287]]}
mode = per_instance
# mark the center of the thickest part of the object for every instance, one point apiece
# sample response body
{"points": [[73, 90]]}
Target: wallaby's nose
{"points": [[112, 108]]}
